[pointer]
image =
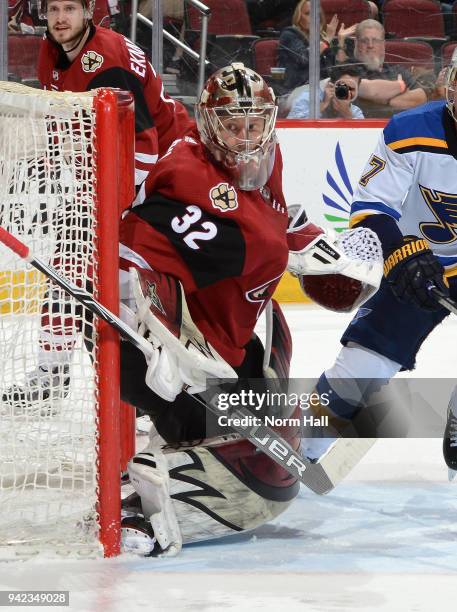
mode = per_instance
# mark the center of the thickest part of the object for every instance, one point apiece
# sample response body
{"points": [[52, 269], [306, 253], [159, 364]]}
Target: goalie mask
{"points": [[235, 117], [88, 6]]}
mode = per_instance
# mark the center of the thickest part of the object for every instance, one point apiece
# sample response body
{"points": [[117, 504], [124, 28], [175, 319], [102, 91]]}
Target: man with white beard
{"points": [[384, 89]]}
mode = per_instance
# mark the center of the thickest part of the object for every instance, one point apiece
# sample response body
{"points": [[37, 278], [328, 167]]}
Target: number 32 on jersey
{"points": [[194, 231]]}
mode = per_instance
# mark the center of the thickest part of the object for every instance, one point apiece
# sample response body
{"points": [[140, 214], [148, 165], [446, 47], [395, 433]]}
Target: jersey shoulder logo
{"points": [[91, 61], [223, 196], [444, 208]]}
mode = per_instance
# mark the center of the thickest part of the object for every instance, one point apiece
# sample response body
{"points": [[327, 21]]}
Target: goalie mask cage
{"points": [[66, 170]]}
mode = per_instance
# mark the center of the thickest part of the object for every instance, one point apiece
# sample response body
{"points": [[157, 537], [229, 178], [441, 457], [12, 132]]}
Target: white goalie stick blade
{"points": [[341, 458]]}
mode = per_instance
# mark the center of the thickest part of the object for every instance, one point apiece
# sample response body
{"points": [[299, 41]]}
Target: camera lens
{"points": [[341, 91]]}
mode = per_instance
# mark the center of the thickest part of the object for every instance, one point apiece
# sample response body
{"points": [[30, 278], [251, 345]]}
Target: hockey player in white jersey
{"points": [[407, 194]]}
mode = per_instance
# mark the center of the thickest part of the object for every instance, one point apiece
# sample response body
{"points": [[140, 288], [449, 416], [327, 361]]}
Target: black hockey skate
{"points": [[137, 537], [450, 443], [39, 395]]}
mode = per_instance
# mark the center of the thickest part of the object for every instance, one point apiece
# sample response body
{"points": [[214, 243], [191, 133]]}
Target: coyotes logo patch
{"points": [[91, 61], [262, 294], [223, 197], [154, 297]]}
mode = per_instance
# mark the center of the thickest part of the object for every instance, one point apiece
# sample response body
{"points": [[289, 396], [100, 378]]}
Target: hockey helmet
{"points": [[88, 6], [450, 84], [235, 117]]}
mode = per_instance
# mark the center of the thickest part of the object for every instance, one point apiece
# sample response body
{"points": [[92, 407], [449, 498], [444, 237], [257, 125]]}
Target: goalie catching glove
{"points": [[339, 273], [183, 359], [410, 269]]}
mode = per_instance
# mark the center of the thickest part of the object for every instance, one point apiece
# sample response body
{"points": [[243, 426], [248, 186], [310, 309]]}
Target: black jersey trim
{"points": [[221, 257], [124, 79]]}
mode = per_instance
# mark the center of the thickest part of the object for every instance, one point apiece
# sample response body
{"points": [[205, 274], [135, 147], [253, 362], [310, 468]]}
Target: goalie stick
{"points": [[313, 475], [443, 299]]}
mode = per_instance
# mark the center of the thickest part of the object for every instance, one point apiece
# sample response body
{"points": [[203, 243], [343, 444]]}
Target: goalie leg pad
{"points": [[148, 474], [214, 491]]}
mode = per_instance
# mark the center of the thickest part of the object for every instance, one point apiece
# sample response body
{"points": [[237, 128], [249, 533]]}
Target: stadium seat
{"points": [[265, 51], [413, 18], [23, 52], [226, 18], [229, 31], [409, 53], [348, 13]]}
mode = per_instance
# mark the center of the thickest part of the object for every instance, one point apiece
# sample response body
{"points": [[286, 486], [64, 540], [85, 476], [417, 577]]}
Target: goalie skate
{"points": [[137, 537], [40, 395]]}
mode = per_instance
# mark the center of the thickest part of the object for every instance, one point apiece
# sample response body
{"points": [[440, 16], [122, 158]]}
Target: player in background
{"points": [[209, 245], [78, 56], [407, 195]]}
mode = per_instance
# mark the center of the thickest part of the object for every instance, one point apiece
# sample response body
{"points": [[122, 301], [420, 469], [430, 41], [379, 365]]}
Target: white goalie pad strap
{"points": [[356, 253], [148, 472], [186, 361]]}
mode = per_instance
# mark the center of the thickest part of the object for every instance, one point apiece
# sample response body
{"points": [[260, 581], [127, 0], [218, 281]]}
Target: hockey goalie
{"points": [[200, 260]]}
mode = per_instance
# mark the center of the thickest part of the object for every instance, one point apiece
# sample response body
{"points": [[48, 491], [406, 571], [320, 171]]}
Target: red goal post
{"points": [[66, 173]]}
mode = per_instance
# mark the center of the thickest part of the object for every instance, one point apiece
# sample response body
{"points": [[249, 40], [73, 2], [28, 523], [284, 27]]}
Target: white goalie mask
{"points": [[236, 116], [451, 85], [88, 6]]}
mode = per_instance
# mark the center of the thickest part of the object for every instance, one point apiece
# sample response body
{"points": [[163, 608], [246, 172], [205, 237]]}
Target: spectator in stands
{"points": [[384, 88], [294, 46], [336, 98]]}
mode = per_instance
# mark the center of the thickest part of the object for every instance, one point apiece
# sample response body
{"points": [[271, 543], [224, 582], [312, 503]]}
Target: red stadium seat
{"points": [[227, 17], [23, 55], [229, 31], [409, 53], [413, 18], [349, 12], [265, 52]]}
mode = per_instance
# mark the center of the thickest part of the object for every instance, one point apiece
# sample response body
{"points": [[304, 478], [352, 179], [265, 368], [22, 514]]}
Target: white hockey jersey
{"points": [[412, 177]]}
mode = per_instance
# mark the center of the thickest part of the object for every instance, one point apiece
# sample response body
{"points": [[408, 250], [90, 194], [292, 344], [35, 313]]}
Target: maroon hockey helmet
{"points": [[88, 5], [235, 116]]}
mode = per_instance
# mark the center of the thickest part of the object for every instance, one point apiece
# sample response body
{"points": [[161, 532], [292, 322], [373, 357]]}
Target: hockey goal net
{"points": [[66, 169]]}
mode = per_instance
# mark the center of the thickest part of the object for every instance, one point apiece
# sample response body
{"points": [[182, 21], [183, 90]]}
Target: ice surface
{"points": [[385, 539]]}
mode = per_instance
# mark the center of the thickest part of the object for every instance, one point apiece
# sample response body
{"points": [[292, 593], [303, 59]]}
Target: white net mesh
{"points": [[361, 243], [48, 415]]}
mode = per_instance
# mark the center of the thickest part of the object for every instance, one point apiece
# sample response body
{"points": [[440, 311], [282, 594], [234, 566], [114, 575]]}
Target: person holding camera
{"points": [[336, 99]]}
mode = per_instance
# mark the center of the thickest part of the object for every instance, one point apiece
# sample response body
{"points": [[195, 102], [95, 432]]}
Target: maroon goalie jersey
{"points": [[228, 247], [108, 59]]}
